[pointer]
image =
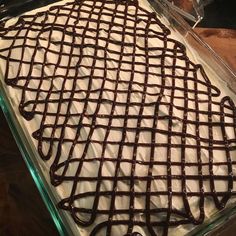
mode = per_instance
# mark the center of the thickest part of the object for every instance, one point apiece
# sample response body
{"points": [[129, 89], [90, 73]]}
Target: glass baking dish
{"points": [[62, 219], [191, 10]]}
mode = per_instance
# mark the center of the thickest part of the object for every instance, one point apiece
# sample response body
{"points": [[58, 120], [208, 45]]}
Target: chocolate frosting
{"points": [[193, 73]]}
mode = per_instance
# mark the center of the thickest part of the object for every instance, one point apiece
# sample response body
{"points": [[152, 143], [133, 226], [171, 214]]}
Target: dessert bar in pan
{"points": [[123, 117]]}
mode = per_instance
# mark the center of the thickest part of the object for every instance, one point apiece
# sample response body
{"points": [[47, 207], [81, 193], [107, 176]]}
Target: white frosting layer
{"points": [[143, 155]]}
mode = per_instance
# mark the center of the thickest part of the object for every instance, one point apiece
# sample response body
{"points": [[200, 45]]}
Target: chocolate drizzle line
{"points": [[93, 53]]}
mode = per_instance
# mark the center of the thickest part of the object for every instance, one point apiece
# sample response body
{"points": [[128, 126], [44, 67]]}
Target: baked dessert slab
{"points": [[126, 122]]}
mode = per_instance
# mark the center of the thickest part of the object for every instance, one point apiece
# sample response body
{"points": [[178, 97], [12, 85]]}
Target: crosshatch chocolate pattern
{"points": [[96, 81]]}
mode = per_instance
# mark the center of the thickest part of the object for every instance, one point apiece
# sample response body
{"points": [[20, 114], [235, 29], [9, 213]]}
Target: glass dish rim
{"points": [[58, 216], [194, 17]]}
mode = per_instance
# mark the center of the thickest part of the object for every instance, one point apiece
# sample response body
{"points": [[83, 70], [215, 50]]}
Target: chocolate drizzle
{"points": [[72, 65]]}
